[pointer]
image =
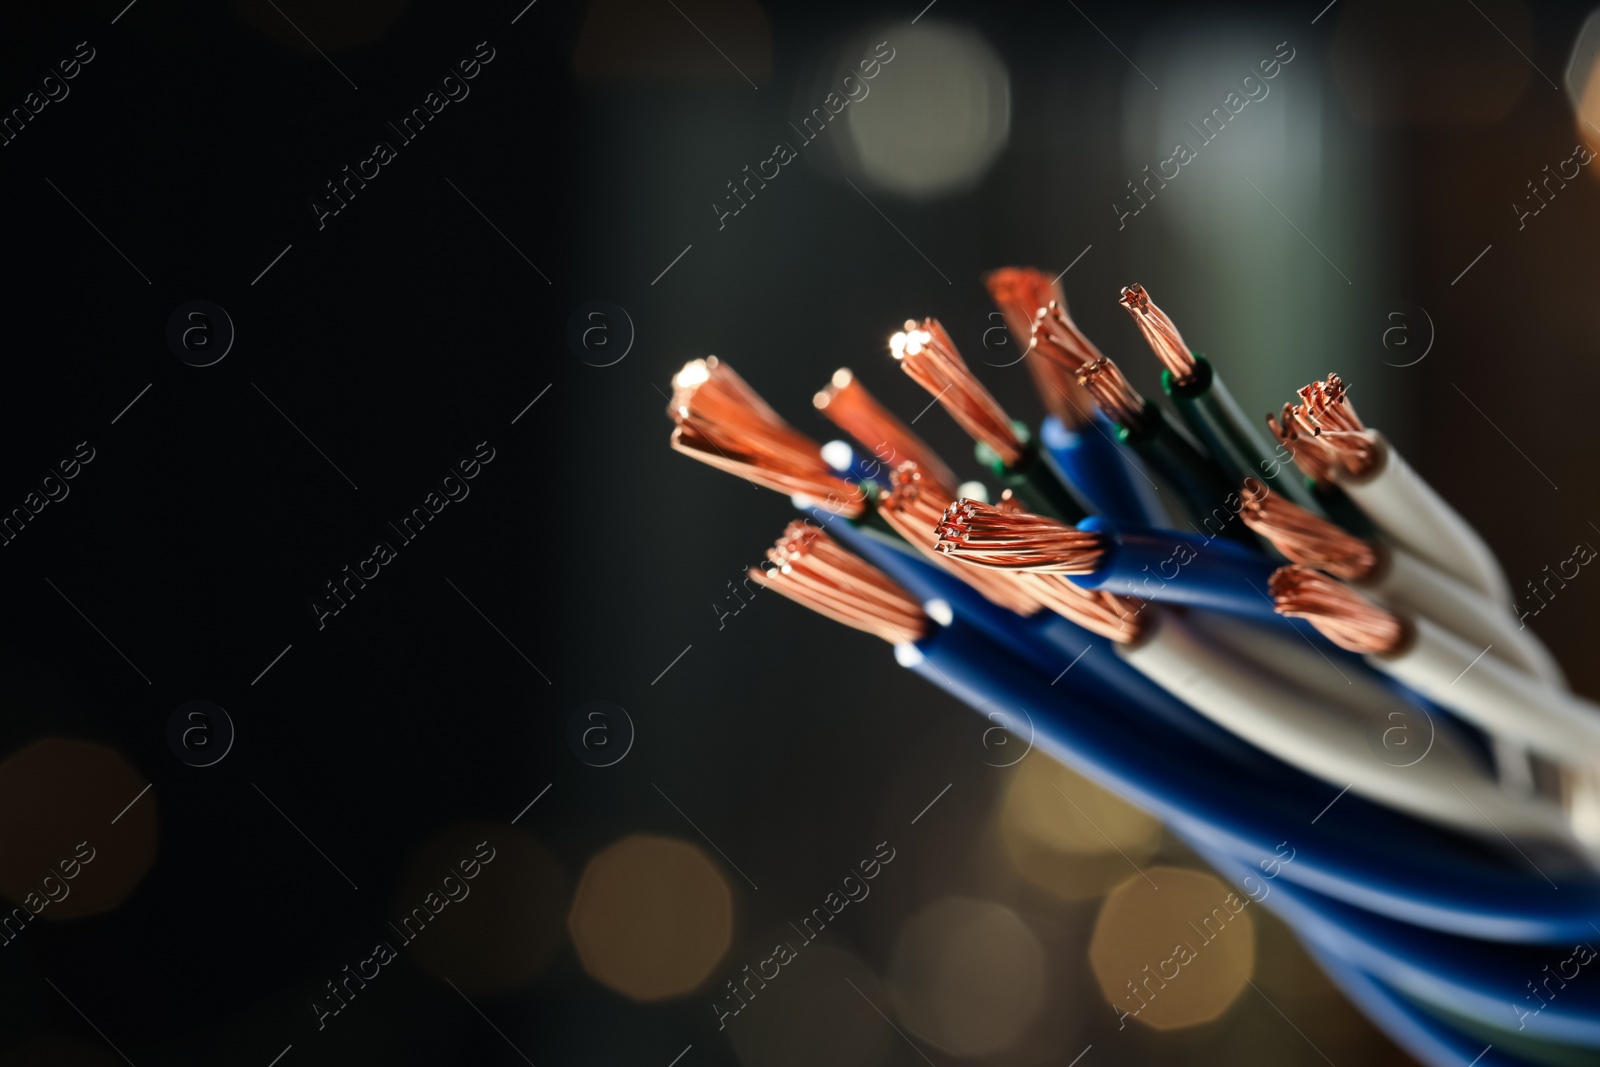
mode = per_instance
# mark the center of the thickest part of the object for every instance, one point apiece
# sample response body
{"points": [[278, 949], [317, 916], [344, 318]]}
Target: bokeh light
{"points": [[651, 917], [937, 115], [967, 976], [1063, 832], [1173, 947], [503, 924], [1582, 87], [57, 799], [780, 1026]]}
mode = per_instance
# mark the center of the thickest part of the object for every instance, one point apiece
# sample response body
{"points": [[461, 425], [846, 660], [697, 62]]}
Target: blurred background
{"points": [[670, 774]]}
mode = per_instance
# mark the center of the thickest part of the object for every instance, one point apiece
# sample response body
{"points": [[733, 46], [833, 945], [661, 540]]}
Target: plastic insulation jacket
{"points": [[1455, 974], [1495, 696], [1043, 489], [1052, 645], [1366, 855], [1341, 509], [1109, 477], [1409, 583], [1183, 568], [1425, 1037], [1411, 514], [1429, 1039], [1238, 444], [1339, 677], [1448, 786], [1188, 472]]}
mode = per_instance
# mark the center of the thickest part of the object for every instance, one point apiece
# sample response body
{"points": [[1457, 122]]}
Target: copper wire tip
{"points": [[1005, 539], [1114, 394], [723, 422], [1339, 613], [1162, 335], [1312, 456], [1107, 614], [930, 357], [1019, 293], [1307, 538], [848, 404], [912, 508], [1023, 294], [1057, 351], [1332, 434], [812, 570]]}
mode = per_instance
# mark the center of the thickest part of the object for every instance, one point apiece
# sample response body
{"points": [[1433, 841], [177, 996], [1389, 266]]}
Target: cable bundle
{"points": [[1298, 639]]}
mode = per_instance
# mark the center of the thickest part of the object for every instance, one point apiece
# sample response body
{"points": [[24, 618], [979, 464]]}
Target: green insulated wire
{"points": [[1035, 479], [1235, 442], [1196, 478]]}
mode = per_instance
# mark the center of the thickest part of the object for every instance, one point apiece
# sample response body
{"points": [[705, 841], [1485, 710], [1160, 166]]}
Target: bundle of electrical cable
{"points": [[1264, 639]]}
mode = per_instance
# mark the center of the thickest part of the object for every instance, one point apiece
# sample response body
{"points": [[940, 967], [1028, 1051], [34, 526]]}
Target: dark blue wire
{"points": [[1109, 476], [1359, 852]]}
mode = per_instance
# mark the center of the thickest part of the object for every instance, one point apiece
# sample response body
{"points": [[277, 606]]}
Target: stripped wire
{"points": [[1309, 539], [912, 508], [723, 422], [814, 571], [1338, 612], [1339, 428], [1025, 298], [1110, 615], [1004, 539], [1163, 336], [1019, 293], [1116, 396], [848, 404], [930, 357], [1296, 434]]}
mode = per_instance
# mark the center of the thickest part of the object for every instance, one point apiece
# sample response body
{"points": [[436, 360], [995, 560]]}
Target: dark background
{"points": [[588, 556]]}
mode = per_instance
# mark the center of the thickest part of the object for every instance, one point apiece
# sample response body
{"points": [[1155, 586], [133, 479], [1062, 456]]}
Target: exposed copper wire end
{"points": [[1328, 402], [1119, 618], [1022, 294], [1163, 336], [1114, 394], [812, 570], [846, 402], [1107, 614], [723, 422], [1057, 351], [995, 537], [1339, 613], [1309, 539], [913, 506], [930, 357], [1019, 293], [1312, 456], [1326, 406]]}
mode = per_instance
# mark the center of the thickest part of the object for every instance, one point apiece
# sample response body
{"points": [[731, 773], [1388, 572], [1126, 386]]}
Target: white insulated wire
{"points": [[1496, 696], [1411, 514], [1334, 741]]}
